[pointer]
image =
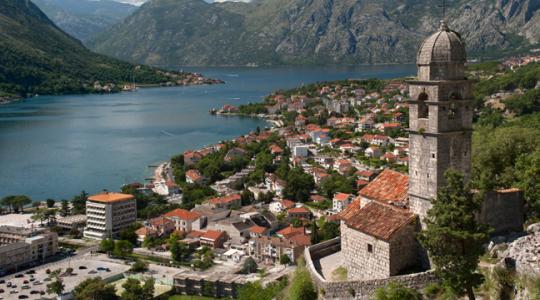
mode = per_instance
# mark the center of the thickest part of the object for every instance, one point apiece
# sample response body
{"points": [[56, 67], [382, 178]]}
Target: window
{"points": [[432, 155], [370, 248], [423, 109]]}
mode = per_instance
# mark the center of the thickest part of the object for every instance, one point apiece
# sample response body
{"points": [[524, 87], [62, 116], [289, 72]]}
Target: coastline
{"points": [[13, 99]]}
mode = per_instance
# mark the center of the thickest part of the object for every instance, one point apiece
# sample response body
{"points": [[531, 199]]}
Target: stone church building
{"points": [[378, 229]]}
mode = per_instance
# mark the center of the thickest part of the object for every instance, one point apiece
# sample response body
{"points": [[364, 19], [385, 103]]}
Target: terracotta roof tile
{"points": [[291, 231], [389, 187], [225, 200], [109, 197], [258, 229], [379, 220], [212, 235], [183, 214]]}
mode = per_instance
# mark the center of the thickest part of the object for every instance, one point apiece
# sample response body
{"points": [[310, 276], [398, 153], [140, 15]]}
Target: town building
{"points": [[77, 222], [185, 220], [378, 240], [341, 201], [108, 213], [20, 247]]}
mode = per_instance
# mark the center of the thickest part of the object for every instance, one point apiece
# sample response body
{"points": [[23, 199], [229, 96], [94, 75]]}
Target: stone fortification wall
{"points": [[503, 210], [364, 289]]}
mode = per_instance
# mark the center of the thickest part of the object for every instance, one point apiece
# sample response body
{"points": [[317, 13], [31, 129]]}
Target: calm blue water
{"points": [[56, 146]]}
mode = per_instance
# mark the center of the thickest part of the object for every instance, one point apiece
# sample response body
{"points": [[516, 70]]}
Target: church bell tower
{"points": [[441, 112]]}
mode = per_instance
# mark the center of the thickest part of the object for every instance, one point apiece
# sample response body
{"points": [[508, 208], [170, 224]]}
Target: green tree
{"points": [[64, 211], [56, 286], [94, 288], [106, 245], [315, 236], [302, 288], [15, 203], [527, 174], [453, 238], [50, 203], [396, 291], [133, 290], [299, 185], [79, 203], [180, 252], [250, 266], [284, 259], [128, 233], [122, 248], [139, 266]]}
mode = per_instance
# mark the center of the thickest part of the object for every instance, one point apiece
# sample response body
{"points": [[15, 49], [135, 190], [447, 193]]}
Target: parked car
{"points": [[1, 291], [83, 268], [25, 287], [25, 281], [13, 292], [19, 276], [23, 297], [30, 272], [2, 281]]}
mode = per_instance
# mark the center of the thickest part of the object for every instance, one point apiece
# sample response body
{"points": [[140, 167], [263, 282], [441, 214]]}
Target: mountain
{"points": [[37, 57], [269, 32], [85, 18]]}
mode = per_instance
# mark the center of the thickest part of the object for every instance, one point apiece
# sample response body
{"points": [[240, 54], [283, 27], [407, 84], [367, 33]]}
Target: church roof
{"points": [[389, 187], [379, 220], [444, 46]]}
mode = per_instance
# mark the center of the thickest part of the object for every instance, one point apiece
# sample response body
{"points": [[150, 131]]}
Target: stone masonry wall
{"points": [[357, 289], [362, 264]]}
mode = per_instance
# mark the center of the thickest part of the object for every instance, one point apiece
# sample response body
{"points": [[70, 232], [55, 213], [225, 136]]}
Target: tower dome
{"points": [[442, 56]]}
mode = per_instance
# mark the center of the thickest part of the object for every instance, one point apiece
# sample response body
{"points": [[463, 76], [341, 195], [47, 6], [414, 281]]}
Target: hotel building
{"points": [[108, 213]]}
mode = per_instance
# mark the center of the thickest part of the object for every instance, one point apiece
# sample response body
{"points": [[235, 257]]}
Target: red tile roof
{"points": [[213, 235], [225, 200], [291, 231], [258, 229], [183, 214], [160, 221], [195, 234], [287, 203], [109, 197], [301, 240], [145, 231], [298, 210], [194, 175], [379, 220], [342, 196], [389, 187]]}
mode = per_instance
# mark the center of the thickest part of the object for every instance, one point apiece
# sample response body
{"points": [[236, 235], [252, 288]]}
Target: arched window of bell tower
{"points": [[423, 109], [453, 111]]}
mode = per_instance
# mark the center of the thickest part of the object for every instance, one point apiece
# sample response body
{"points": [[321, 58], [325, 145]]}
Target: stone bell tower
{"points": [[441, 112]]}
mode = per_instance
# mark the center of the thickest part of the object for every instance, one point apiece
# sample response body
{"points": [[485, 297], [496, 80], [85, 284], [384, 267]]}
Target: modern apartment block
{"points": [[108, 213], [20, 247]]}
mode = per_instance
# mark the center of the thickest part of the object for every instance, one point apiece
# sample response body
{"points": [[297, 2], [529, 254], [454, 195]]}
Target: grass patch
{"points": [[339, 274]]}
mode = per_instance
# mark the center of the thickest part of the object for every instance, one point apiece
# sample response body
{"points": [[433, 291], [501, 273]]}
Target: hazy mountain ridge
{"points": [[266, 32], [85, 18]]}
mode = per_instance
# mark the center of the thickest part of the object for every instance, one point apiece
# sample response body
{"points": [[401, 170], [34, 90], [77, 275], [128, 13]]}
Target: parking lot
{"points": [[29, 286]]}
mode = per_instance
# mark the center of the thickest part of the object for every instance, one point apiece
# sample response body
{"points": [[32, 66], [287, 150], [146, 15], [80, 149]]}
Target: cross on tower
{"points": [[443, 6]]}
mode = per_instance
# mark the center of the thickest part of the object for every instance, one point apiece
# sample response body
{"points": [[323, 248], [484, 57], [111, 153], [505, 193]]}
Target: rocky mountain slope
{"points": [[84, 18], [266, 32]]}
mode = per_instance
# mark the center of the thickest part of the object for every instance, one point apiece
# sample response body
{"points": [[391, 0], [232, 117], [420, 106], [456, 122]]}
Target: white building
{"points": [[108, 213], [300, 150]]}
